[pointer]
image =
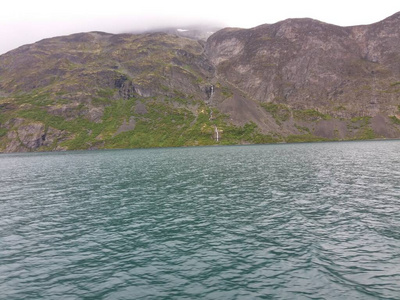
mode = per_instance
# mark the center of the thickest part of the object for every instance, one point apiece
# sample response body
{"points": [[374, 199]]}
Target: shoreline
{"points": [[197, 146]]}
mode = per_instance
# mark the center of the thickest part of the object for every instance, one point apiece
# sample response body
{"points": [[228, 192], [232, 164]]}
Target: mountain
{"points": [[296, 80]]}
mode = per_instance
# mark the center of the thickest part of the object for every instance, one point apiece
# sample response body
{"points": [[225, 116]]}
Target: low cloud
{"points": [[15, 34], [27, 21]]}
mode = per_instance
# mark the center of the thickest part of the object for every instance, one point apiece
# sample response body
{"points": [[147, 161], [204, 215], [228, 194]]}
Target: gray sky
{"points": [[27, 21]]}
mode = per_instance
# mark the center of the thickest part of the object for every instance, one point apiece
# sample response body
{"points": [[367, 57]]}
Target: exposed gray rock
{"points": [[331, 129], [127, 126], [32, 136], [14, 122], [306, 64], [68, 111], [95, 114], [381, 125], [140, 108]]}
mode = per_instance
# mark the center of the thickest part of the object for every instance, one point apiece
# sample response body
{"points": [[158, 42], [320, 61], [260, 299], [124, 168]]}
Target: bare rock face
{"points": [[67, 111], [95, 114], [33, 136], [127, 126], [304, 63], [140, 108]]}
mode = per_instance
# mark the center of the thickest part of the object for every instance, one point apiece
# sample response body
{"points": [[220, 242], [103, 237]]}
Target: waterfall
{"points": [[216, 131], [210, 90]]}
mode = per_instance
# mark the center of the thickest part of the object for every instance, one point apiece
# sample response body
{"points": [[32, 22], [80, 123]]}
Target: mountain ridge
{"points": [[294, 80]]}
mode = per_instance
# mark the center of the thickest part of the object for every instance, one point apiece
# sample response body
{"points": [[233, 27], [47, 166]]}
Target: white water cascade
{"points": [[211, 90]]}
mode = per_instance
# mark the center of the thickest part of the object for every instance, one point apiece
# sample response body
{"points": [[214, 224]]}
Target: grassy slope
{"points": [[167, 123]]}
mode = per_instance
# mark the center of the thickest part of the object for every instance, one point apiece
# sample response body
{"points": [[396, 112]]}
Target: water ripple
{"points": [[304, 221]]}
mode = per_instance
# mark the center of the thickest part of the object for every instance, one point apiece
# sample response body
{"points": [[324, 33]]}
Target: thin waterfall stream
{"points": [[211, 113]]}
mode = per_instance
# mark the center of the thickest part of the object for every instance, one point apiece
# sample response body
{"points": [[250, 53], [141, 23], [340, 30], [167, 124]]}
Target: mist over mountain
{"points": [[295, 80], [197, 32]]}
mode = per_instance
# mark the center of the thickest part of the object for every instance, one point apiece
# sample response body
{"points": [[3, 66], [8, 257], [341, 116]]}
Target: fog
{"points": [[27, 21], [15, 34]]}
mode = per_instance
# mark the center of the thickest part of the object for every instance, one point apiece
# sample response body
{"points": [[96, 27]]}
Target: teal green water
{"points": [[295, 221]]}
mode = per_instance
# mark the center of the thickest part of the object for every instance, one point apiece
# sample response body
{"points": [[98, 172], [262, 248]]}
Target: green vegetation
{"points": [[282, 113], [106, 93], [359, 123], [362, 120], [302, 128], [248, 133], [366, 134], [167, 122], [37, 97], [339, 108], [310, 115], [395, 120], [3, 132], [279, 112], [164, 125], [226, 92], [360, 126]]}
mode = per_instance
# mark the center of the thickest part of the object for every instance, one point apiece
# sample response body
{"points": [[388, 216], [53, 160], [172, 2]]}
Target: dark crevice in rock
{"points": [[125, 87]]}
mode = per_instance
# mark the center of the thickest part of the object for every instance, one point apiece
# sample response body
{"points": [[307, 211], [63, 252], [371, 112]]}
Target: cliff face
{"points": [[296, 80]]}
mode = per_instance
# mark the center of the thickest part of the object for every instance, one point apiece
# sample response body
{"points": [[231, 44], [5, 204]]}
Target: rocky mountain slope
{"points": [[296, 80]]}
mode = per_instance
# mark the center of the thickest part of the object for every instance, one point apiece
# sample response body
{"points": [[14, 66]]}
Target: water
{"points": [[295, 221]]}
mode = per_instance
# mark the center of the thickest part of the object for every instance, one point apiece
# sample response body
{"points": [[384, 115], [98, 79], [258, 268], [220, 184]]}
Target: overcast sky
{"points": [[27, 21]]}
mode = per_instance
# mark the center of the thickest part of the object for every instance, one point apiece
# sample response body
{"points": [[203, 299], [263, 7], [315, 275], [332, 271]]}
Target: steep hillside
{"points": [[296, 80], [329, 81], [97, 90]]}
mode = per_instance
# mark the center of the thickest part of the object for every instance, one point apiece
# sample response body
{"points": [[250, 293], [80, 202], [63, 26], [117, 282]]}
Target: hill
{"points": [[296, 80]]}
